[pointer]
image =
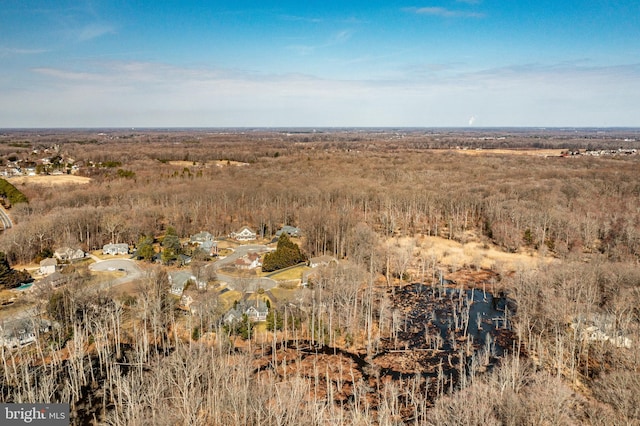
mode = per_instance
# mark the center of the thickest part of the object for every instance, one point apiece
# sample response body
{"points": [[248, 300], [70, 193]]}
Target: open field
{"points": [[456, 255], [51, 180], [526, 152], [216, 163]]}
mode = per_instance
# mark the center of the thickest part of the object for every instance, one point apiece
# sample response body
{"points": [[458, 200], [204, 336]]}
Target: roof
{"points": [[208, 245], [320, 260], [245, 307], [54, 280], [119, 245], [245, 228], [49, 261], [180, 278], [290, 230], [202, 237]]}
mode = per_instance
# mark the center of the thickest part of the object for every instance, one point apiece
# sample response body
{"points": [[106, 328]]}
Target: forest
{"points": [[396, 331]]}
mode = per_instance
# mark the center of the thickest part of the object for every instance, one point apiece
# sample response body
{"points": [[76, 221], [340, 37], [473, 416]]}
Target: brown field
{"points": [[531, 152], [457, 255], [219, 163], [51, 180]]}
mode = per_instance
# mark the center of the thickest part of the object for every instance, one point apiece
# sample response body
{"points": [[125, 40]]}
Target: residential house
{"points": [[205, 241], [233, 315], [201, 237], [68, 254], [115, 249], [244, 234], [48, 266], [251, 260], [20, 333], [314, 262], [210, 247], [255, 310], [53, 280], [179, 281], [291, 231]]}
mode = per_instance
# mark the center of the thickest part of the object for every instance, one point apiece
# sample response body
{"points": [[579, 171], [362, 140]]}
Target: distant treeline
{"points": [[11, 193]]}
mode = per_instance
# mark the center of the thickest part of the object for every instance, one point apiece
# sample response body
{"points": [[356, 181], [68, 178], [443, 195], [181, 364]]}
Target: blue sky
{"points": [[331, 63]]}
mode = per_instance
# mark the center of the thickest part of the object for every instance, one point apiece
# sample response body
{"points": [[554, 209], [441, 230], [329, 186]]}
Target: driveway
{"points": [[238, 252], [131, 270], [244, 284]]}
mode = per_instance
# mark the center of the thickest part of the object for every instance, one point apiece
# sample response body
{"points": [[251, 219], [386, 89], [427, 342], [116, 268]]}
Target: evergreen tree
{"points": [[287, 254], [10, 278], [275, 320], [171, 247], [145, 248]]}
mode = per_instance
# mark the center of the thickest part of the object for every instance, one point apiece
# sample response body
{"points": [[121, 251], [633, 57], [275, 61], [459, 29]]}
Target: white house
{"points": [[48, 266], [244, 234], [115, 249]]}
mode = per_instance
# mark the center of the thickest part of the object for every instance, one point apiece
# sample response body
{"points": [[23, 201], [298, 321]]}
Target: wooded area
{"points": [[365, 197]]}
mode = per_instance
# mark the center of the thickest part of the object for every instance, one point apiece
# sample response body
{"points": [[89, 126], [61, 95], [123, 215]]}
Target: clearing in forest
{"points": [[50, 180]]}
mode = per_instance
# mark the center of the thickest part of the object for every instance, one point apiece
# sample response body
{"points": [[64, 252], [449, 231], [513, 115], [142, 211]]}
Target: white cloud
{"points": [[156, 94], [94, 30], [337, 38], [10, 51], [444, 12]]}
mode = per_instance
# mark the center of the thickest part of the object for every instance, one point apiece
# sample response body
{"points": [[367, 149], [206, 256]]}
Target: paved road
{"points": [[244, 284], [129, 267], [5, 219], [133, 272], [238, 252], [247, 284]]}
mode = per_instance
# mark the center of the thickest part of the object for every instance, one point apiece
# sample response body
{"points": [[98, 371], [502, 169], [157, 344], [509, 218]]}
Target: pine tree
{"points": [[287, 254], [10, 278]]}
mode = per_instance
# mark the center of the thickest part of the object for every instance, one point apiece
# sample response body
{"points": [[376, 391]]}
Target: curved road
{"points": [[244, 284], [5, 219], [129, 267], [132, 272]]}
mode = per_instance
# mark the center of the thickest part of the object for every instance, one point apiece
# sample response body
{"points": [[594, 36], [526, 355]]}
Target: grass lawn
{"points": [[283, 294], [290, 274], [229, 297]]}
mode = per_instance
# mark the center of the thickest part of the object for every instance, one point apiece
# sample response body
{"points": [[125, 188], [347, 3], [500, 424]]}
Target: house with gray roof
{"points": [[200, 238], [180, 280], [255, 310], [115, 249], [68, 254], [48, 266], [18, 333], [291, 231]]}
